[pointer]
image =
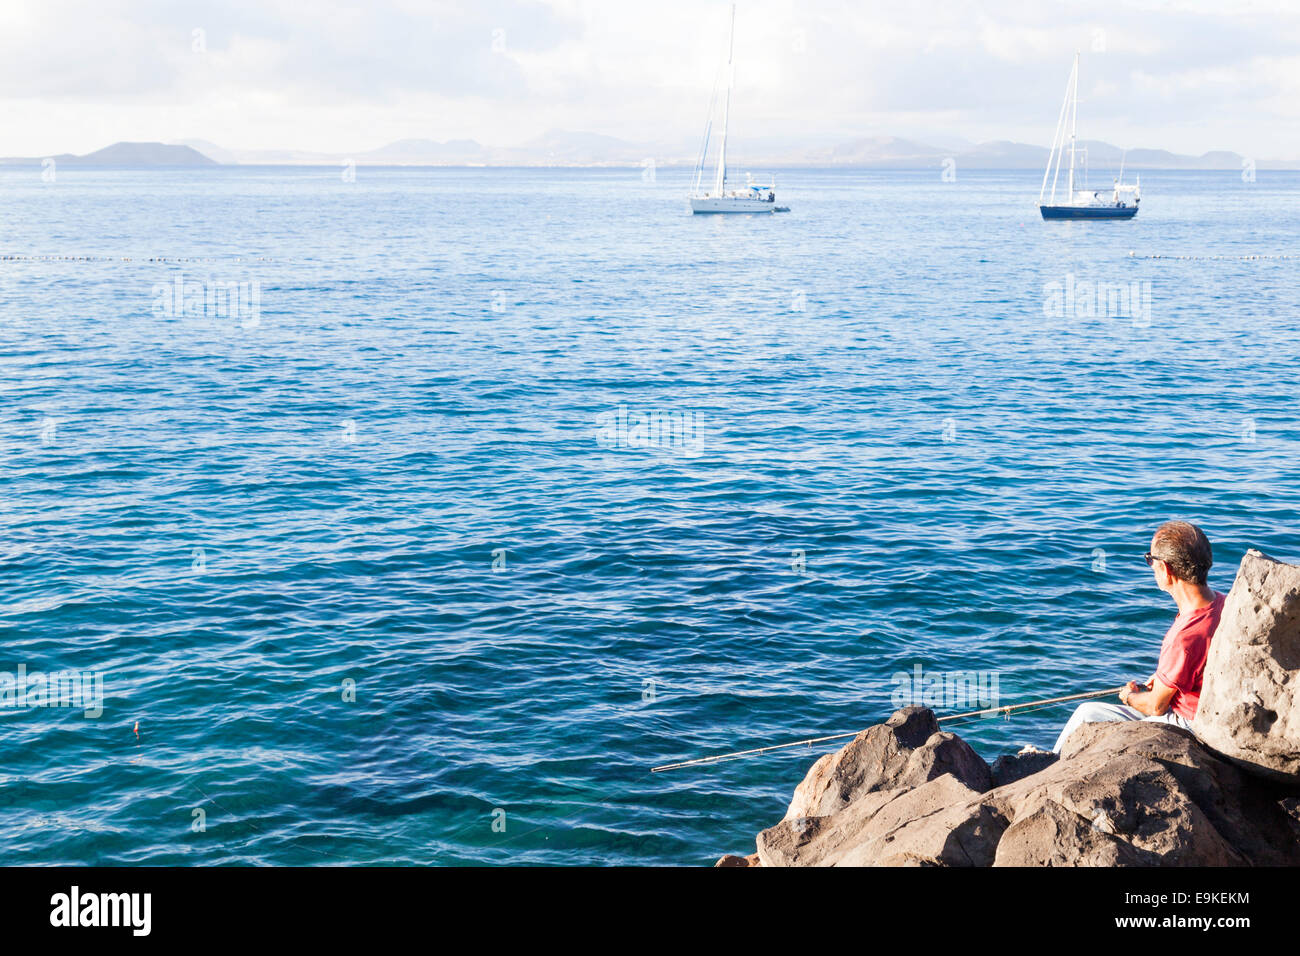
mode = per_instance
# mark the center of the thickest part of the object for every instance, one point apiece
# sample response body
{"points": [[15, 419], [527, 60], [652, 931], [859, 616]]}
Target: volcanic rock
{"points": [[1248, 709]]}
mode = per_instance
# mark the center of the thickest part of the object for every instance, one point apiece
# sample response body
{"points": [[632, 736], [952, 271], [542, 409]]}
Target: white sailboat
{"points": [[753, 196], [1121, 202]]}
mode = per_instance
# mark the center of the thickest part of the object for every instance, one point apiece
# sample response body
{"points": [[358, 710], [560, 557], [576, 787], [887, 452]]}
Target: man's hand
{"points": [[1133, 688], [1153, 703]]}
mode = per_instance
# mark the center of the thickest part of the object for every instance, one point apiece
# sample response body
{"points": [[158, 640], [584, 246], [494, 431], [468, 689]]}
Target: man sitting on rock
{"points": [[1180, 557]]}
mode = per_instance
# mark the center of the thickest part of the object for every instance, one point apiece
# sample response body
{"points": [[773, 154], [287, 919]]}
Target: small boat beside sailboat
{"points": [[754, 196], [1119, 202]]}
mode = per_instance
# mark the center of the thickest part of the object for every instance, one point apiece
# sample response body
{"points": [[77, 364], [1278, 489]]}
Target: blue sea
{"points": [[488, 490]]}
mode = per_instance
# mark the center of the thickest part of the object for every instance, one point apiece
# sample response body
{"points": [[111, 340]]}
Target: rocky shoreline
{"points": [[905, 793]]}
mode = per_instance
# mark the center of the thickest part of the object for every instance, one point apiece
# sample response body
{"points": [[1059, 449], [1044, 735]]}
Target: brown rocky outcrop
{"points": [[1139, 793], [1012, 767], [904, 752], [1121, 794], [1248, 709]]}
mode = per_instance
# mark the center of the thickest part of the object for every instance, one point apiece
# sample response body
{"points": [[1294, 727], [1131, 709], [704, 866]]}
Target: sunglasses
{"points": [[1152, 559]]}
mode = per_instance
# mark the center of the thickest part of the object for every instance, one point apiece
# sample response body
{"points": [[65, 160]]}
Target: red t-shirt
{"points": [[1182, 655]]}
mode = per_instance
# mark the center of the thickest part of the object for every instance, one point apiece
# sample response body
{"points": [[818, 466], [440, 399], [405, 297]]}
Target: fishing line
{"points": [[1006, 711], [249, 823]]}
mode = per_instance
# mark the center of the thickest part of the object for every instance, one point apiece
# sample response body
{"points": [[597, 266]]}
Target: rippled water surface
{"points": [[399, 481]]}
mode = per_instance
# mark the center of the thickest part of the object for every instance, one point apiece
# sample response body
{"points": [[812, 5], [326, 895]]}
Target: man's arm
{"points": [[1154, 702]]}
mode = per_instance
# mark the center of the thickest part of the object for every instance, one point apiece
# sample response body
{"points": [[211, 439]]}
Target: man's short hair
{"points": [[1185, 548]]}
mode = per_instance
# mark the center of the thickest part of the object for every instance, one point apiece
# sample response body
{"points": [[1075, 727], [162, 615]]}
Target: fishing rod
{"points": [[1006, 711]]}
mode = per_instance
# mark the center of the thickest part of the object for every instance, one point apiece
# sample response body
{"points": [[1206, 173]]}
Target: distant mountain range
{"points": [[564, 148], [555, 148], [890, 152], [124, 154]]}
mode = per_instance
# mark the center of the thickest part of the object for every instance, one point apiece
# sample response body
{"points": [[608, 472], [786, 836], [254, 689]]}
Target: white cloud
{"points": [[1186, 76]]}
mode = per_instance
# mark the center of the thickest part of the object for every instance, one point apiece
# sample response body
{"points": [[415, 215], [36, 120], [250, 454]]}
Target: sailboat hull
{"points": [[709, 204], [1081, 203], [1088, 212]]}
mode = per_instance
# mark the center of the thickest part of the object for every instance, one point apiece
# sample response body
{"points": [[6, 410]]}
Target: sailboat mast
{"points": [[720, 182], [1074, 122], [1055, 154]]}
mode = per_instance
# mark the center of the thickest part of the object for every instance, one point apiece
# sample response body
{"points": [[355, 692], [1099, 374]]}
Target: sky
{"points": [[1183, 75]]}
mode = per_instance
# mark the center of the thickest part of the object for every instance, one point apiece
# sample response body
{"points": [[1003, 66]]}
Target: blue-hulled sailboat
{"points": [[1119, 202]]}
